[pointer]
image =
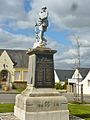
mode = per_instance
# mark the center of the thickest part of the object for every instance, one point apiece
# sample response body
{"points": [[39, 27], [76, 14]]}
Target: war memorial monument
{"points": [[40, 100]]}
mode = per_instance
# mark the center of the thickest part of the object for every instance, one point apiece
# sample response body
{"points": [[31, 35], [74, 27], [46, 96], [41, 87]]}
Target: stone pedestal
{"points": [[40, 100], [41, 68]]}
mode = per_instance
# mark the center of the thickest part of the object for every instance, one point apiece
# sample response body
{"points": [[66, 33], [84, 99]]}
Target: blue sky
{"points": [[66, 19]]}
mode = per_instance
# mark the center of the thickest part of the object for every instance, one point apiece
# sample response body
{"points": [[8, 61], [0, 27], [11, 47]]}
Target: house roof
{"points": [[84, 71], [18, 57], [67, 74], [64, 74]]}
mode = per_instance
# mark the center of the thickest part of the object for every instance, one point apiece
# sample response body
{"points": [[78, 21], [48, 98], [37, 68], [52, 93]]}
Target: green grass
{"points": [[6, 108], [81, 110]]}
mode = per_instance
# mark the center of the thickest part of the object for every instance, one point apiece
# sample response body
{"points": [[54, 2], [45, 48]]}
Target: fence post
{"points": [[81, 93]]}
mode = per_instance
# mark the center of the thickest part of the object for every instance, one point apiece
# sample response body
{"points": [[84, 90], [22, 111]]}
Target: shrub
{"points": [[58, 86], [65, 85], [19, 84]]}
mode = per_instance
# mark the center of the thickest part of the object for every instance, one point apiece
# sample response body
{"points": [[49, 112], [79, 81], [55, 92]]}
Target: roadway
{"points": [[10, 97]]}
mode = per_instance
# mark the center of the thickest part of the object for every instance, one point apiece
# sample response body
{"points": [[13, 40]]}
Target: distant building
{"points": [[74, 77], [80, 77], [13, 66], [63, 75]]}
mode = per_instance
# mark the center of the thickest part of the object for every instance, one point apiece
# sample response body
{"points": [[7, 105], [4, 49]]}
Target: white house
{"points": [[86, 84], [74, 81], [80, 77]]}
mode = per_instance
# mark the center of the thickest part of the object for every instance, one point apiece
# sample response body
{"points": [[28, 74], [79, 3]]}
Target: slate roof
{"points": [[64, 74], [84, 71], [67, 74], [18, 57]]}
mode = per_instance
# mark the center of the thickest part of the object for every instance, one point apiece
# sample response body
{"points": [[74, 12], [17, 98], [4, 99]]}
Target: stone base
{"points": [[44, 115], [41, 104]]}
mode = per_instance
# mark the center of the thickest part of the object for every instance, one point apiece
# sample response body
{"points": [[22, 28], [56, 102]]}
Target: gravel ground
{"points": [[10, 116]]}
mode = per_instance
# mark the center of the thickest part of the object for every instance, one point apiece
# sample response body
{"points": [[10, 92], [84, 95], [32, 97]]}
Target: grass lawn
{"points": [[81, 110], [6, 108]]}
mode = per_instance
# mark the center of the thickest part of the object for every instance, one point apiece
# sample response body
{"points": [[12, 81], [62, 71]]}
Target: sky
{"points": [[69, 21]]}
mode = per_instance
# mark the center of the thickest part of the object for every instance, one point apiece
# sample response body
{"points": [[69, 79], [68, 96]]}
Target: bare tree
{"points": [[78, 62]]}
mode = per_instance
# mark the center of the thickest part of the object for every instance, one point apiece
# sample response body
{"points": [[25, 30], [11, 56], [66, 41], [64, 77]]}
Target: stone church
{"points": [[13, 65]]}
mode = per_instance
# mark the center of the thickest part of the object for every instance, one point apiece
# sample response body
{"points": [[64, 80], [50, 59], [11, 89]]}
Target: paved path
{"points": [[9, 97], [70, 97]]}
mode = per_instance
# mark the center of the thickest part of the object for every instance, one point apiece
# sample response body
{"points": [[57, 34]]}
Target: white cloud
{"points": [[73, 14], [70, 14], [23, 24], [9, 40], [64, 14], [11, 9]]}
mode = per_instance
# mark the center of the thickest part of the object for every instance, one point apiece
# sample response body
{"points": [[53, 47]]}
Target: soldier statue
{"points": [[40, 27]]}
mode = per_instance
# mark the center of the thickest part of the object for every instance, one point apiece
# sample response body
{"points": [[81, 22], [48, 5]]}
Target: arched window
{"points": [[4, 75]]}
